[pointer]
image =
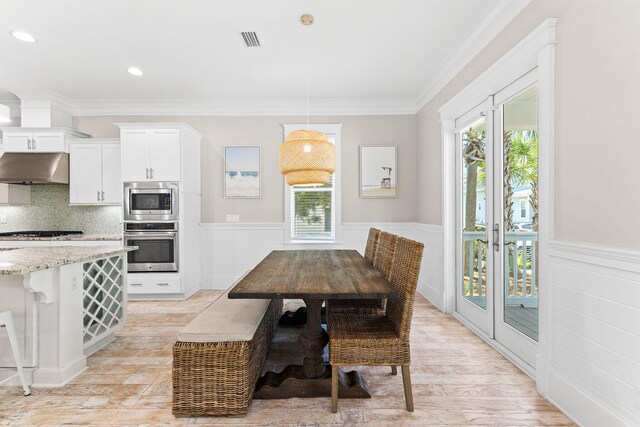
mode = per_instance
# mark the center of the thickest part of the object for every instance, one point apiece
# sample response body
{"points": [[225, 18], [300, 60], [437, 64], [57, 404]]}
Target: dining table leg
{"points": [[313, 340], [313, 377]]}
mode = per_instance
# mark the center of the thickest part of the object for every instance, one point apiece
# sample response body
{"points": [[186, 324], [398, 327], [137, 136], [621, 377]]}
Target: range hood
{"points": [[34, 168]]}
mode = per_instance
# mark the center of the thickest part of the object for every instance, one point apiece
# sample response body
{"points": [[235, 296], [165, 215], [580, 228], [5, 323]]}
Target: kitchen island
{"points": [[66, 301]]}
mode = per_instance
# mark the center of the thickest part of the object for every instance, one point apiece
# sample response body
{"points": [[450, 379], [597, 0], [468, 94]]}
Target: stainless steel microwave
{"points": [[150, 201]]}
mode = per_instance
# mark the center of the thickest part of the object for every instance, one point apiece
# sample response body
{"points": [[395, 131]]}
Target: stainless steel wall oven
{"points": [[157, 247]]}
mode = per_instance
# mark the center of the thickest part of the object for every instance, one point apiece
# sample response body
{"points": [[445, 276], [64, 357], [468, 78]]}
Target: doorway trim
{"points": [[536, 50]]}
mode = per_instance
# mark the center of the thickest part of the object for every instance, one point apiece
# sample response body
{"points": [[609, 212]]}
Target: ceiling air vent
{"points": [[250, 38]]}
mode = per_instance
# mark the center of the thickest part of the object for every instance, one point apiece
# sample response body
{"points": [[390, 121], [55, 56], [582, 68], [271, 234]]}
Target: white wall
{"points": [[597, 106], [267, 132]]}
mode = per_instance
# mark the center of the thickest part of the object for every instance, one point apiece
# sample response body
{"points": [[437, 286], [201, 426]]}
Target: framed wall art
{"points": [[242, 172], [378, 172]]}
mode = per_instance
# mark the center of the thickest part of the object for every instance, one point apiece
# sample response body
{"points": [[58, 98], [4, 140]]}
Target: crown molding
{"points": [[487, 29], [249, 107]]}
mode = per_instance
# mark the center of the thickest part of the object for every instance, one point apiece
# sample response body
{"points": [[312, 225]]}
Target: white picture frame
{"points": [[242, 172], [378, 172]]}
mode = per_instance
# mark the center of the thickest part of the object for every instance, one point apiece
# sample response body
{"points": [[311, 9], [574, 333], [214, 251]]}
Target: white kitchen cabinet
{"points": [[111, 171], [14, 194], [94, 172], [135, 155], [148, 283], [35, 140], [150, 155]]}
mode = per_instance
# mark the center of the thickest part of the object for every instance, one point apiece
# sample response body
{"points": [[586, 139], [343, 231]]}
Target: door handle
{"points": [[496, 237]]}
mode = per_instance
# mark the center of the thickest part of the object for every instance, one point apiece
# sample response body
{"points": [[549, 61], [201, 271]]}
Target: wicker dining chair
{"points": [[372, 244], [379, 251], [379, 340]]}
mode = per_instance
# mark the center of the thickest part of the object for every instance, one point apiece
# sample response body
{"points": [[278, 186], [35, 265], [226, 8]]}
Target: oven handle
{"points": [[151, 234]]}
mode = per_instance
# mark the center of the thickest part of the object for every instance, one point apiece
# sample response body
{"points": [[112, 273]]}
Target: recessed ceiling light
{"points": [[135, 71], [23, 36]]}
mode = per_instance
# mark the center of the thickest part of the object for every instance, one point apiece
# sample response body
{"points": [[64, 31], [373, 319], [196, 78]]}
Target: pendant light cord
{"points": [[307, 98]]}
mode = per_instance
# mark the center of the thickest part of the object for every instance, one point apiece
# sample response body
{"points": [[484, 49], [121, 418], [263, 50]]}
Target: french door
{"points": [[497, 217]]}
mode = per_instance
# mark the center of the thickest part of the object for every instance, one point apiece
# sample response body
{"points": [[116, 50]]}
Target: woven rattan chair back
{"points": [[384, 253], [404, 276], [372, 245]]}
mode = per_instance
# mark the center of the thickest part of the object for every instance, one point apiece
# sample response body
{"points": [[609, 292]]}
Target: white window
{"points": [[312, 214], [523, 209]]}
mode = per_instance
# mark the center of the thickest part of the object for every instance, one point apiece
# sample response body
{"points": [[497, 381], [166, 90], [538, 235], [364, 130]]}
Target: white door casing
{"points": [[535, 50]]}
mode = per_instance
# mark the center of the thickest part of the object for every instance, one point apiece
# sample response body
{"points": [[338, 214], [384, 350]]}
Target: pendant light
{"points": [[307, 157]]}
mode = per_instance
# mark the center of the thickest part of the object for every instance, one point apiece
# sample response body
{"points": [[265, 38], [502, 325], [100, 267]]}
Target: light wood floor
{"points": [[457, 380]]}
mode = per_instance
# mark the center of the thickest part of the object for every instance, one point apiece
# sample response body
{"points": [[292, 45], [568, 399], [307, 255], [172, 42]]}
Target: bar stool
{"points": [[6, 321]]}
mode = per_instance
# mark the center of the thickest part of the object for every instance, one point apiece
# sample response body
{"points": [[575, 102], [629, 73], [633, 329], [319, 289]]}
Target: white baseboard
{"points": [[435, 296], [59, 377]]}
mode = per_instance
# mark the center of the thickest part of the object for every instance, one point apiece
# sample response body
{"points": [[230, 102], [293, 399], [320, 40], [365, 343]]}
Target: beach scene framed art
{"points": [[378, 172], [242, 172]]}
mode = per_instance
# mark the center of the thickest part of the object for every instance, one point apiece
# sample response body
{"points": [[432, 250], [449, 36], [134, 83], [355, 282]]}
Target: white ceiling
{"points": [[386, 50]]}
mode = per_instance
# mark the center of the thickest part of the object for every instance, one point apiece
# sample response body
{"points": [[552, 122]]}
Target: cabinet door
{"points": [[85, 177], [134, 146], [49, 142], [16, 142], [111, 183], [164, 152]]}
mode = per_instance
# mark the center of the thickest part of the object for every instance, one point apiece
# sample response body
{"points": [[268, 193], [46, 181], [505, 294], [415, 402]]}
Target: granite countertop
{"points": [[16, 261], [72, 237]]}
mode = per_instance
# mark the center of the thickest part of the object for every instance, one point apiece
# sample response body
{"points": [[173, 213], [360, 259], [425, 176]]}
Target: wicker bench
{"points": [[219, 355]]}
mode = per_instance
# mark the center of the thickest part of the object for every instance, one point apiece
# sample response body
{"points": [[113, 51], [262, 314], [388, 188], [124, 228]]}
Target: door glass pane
{"points": [[474, 225], [520, 212]]}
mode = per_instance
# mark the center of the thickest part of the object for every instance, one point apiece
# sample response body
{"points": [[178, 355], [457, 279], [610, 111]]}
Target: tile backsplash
{"points": [[50, 210]]}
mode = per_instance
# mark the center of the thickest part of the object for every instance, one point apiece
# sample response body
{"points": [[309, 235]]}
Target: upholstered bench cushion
{"points": [[226, 320]]}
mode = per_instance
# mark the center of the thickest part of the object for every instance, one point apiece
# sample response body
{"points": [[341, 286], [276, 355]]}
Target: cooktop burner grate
{"points": [[39, 233]]}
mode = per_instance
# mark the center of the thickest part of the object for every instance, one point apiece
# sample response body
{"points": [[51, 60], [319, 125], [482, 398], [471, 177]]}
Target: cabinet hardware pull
{"points": [[29, 144], [147, 173], [103, 196], [162, 284], [98, 195], [135, 284], [151, 173], [33, 143]]}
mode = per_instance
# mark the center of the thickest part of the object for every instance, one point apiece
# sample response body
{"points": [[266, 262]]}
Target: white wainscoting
{"points": [[229, 249], [594, 373]]}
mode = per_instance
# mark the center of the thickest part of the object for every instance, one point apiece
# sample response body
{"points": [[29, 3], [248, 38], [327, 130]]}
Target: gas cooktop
{"points": [[39, 233]]}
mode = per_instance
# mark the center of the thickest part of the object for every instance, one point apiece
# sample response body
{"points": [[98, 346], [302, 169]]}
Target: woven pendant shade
{"points": [[307, 158]]}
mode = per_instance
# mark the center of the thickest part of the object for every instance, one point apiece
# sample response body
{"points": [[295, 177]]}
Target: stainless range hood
{"points": [[34, 168]]}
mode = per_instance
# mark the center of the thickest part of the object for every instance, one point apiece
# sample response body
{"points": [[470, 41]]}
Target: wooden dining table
{"points": [[313, 276]]}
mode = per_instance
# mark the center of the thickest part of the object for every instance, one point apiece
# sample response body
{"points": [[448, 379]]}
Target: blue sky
{"points": [[242, 159]]}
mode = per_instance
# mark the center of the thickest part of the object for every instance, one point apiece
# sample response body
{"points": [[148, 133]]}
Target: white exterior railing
{"points": [[520, 266]]}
